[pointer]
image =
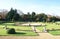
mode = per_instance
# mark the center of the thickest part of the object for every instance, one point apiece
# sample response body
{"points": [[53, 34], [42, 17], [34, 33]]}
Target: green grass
{"points": [[51, 26], [27, 31], [3, 32], [56, 32], [18, 33], [40, 28], [11, 25], [20, 30]]}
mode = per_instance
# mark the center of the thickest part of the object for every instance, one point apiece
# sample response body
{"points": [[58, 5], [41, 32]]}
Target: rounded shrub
{"points": [[11, 31]]}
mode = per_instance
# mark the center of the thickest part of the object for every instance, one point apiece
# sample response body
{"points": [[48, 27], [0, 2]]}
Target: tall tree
{"points": [[16, 16], [25, 17], [41, 17], [12, 15], [33, 16], [29, 16]]}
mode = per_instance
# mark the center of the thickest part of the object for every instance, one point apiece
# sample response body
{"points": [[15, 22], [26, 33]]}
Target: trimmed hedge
{"points": [[11, 31]]}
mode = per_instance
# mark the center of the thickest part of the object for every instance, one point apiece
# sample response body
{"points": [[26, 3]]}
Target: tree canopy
{"points": [[13, 15]]}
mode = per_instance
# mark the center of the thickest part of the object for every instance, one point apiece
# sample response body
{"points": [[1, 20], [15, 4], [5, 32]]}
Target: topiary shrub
{"points": [[11, 31]]}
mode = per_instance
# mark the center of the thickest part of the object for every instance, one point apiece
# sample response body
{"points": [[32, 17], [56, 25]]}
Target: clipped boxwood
{"points": [[11, 31]]}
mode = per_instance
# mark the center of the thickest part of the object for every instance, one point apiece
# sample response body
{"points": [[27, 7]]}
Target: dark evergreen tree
{"points": [[12, 15], [33, 15]]}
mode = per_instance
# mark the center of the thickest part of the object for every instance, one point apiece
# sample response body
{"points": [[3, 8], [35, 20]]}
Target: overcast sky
{"points": [[38, 6]]}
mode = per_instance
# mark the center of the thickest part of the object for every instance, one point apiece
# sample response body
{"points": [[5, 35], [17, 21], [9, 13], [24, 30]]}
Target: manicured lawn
{"points": [[40, 28], [18, 33], [20, 30], [27, 31], [3, 32], [11, 25], [51, 26], [56, 32]]}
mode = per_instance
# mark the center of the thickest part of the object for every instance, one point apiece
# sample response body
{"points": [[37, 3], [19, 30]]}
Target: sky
{"points": [[39, 6]]}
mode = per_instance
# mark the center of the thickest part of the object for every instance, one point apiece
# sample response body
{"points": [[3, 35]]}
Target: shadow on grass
{"points": [[20, 33], [17, 34]]}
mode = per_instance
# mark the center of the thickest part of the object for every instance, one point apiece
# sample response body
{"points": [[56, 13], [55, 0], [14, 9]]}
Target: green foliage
{"points": [[33, 16], [11, 31], [12, 15], [16, 17], [41, 17]]}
